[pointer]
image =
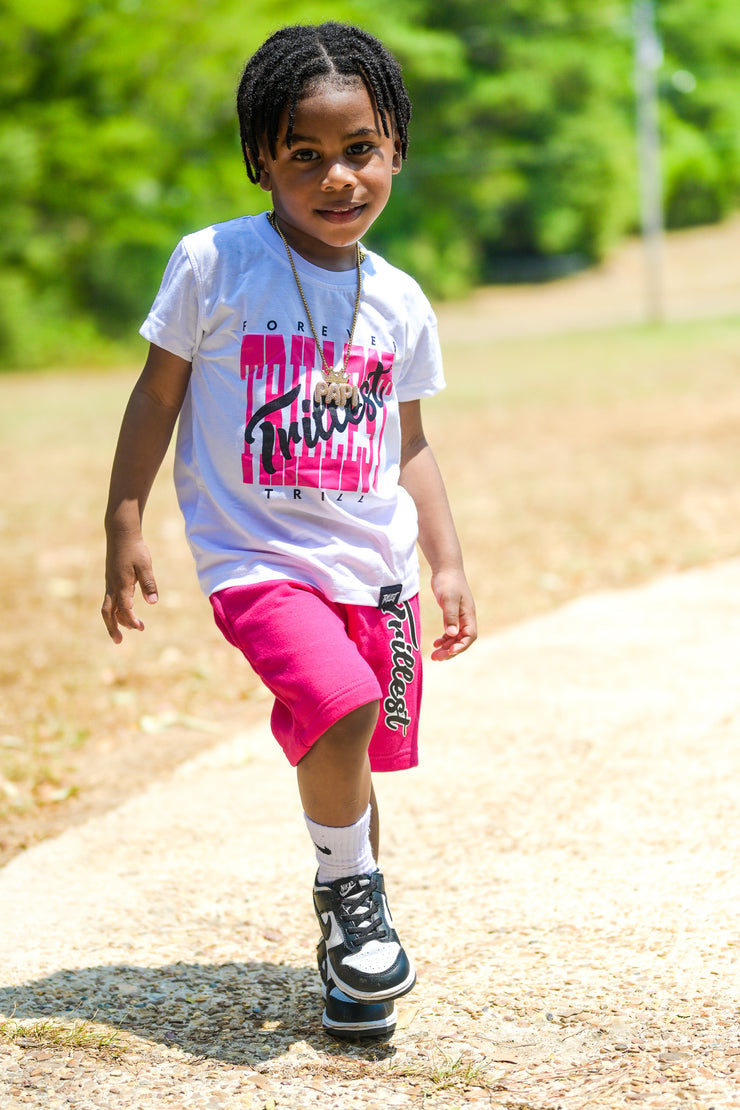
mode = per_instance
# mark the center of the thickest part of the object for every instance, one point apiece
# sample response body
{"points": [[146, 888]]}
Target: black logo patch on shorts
{"points": [[404, 647], [389, 596]]}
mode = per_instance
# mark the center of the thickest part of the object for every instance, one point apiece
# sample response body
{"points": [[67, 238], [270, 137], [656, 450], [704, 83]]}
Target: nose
{"points": [[339, 175]]}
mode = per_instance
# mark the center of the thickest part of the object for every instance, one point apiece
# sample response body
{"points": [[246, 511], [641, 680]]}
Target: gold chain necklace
{"points": [[336, 388]]}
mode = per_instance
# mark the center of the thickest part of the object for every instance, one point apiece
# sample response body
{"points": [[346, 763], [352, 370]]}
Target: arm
{"points": [[146, 431], [437, 537]]}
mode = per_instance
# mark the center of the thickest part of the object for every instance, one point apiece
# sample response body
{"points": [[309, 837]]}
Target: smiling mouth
{"points": [[341, 215]]}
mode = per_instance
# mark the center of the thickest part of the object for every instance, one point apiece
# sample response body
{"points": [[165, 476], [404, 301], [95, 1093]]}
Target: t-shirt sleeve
{"points": [[421, 373], [174, 321]]}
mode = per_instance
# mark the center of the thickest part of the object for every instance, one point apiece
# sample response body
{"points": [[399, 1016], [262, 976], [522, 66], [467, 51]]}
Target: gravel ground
{"points": [[564, 868]]}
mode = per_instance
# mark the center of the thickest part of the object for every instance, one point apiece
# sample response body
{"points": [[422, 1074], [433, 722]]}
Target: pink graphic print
{"points": [[291, 441]]}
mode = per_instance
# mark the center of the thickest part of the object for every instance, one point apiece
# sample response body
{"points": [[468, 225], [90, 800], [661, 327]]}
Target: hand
{"points": [[458, 613], [128, 562]]}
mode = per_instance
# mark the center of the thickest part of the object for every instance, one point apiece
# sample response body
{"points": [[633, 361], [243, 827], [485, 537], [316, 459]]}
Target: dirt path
{"points": [[564, 867]]}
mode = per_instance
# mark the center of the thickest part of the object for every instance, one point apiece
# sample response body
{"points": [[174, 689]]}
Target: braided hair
{"points": [[276, 77]]}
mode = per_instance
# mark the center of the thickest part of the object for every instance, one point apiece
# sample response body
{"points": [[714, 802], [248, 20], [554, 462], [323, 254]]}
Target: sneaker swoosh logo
{"points": [[326, 851], [334, 936]]}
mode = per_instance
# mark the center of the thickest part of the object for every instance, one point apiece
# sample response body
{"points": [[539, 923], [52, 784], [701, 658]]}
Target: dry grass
{"points": [[60, 1035], [574, 462], [445, 1073], [80, 718], [592, 460]]}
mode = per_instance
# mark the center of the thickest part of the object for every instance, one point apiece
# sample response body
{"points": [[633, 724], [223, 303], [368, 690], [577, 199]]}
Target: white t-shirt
{"points": [[272, 486]]}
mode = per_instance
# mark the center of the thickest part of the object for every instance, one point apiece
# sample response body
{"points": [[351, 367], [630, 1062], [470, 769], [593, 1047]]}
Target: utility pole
{"points": [[648, 59]]}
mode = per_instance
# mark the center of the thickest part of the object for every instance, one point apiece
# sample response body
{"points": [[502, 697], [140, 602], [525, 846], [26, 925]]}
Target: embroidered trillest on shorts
{"points": [[322, 659]]}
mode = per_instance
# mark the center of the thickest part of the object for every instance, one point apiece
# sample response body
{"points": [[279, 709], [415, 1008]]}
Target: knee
{"points": [[365, 717], [355, 729]]}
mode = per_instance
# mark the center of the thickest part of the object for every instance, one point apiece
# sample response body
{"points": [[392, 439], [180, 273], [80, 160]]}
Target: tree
{"points": [[527, 148], [118, 135], [701, 109]]}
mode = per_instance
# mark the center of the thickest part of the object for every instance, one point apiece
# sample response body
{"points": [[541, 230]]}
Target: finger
{"points": [[147, 583], [451, 617], [450, 607], [468, 625], [461, 643], [443, 646], [118, 610], [127, 617], [109, 617], [449, 651], [447, 646]]}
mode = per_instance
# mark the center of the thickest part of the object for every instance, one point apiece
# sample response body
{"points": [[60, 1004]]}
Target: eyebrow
{"points": [[359, 133]]}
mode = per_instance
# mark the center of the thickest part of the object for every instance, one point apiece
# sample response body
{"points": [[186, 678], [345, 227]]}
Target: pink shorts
{"points": [[322, 659]]}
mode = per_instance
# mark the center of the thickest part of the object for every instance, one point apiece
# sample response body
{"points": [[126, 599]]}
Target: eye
{"points": [[305, 155], [358, 150]]}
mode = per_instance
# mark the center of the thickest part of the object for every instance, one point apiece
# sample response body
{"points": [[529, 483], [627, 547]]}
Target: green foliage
{"points": [[701, 109], [118, 135], [521, 142]]}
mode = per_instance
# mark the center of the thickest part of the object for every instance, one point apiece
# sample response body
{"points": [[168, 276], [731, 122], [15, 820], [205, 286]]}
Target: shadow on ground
{"points": [[238, 1013]]}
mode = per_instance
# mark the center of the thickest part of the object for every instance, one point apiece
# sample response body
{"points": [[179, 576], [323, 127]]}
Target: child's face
{"points": [[335, 179]]}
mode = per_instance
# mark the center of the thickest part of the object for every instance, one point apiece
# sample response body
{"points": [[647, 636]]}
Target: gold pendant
{"points": [[336, 390]]}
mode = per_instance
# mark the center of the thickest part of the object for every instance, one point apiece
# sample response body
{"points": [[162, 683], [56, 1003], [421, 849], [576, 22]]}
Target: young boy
{"points": [[296, 362]]}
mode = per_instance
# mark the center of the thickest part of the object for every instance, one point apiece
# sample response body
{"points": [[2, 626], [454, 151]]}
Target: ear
{"points": [[265, 179], [397, 162]]}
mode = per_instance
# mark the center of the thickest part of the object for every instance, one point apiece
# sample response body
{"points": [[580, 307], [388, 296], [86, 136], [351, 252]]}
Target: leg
{"points": [[360, 952], [334, 776], [277, 627], [335, 788], [374, 823]]}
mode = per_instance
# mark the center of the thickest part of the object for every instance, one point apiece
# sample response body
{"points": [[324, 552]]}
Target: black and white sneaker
{"points": [[366, 960], [345, 1018]]}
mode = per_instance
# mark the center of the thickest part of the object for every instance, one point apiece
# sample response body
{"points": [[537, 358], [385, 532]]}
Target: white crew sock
{"points": [[344, 851]]}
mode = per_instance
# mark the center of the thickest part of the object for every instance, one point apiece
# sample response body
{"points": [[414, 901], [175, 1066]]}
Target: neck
{"points": [[335, 259]]}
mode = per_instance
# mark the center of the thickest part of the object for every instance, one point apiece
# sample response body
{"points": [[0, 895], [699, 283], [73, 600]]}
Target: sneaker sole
{"points": [[346, 1030], [352, 1026]]}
